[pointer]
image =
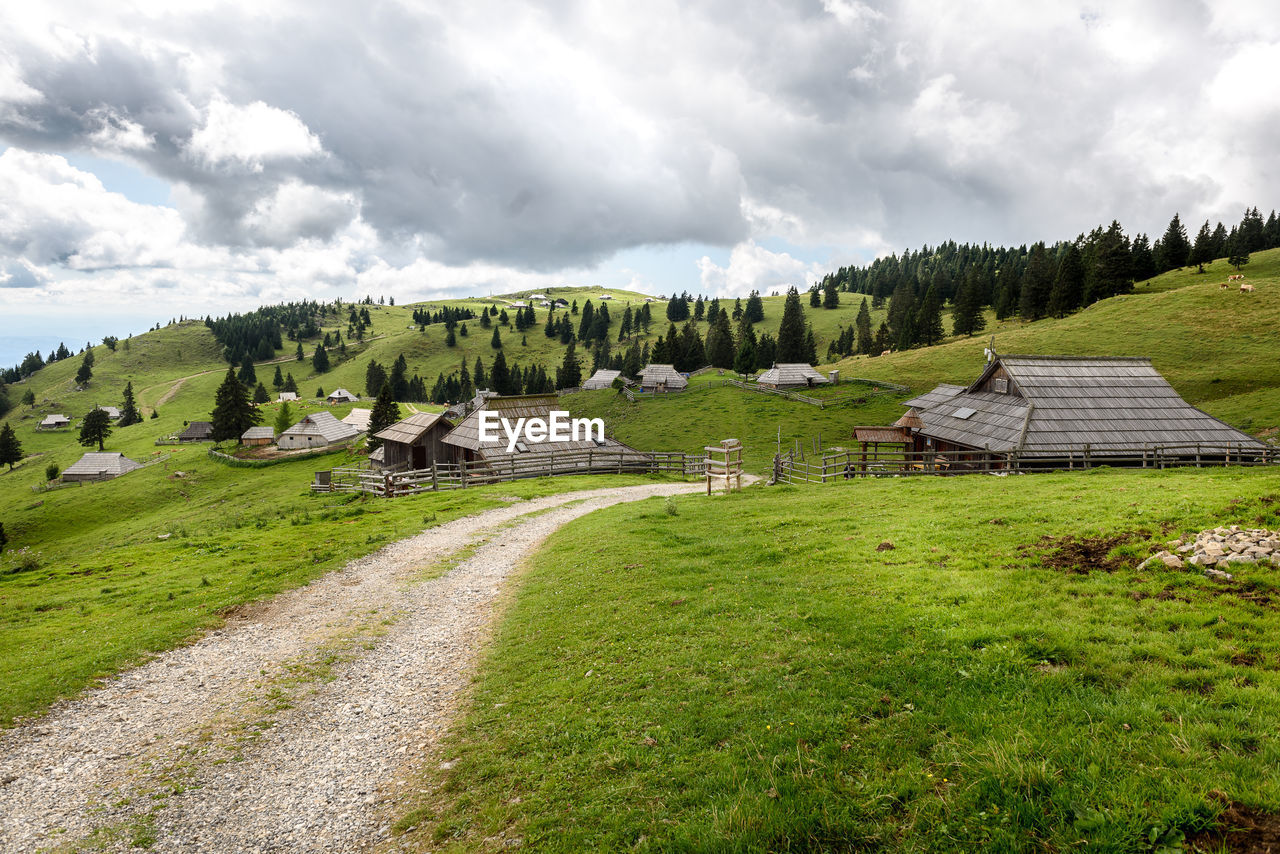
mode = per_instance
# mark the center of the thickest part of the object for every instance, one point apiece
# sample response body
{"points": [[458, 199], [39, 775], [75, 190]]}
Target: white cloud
{"points": [[753, 267], [299, 211], [119, 134], [250, 136]]}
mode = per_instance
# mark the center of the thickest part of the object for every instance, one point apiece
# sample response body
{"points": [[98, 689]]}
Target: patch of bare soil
{"points": [[1241, 830], [1079, 554]]}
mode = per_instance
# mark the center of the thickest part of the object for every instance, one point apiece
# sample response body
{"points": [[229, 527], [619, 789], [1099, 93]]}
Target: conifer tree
{"points": [[96, 427], [86, 368], [129, 413], [863, 325], [500, 375], [1068, 283], [882, 339], [719, 344], [299, 355], [385, 413], [1037, 283], [791, 329], [290, 384], [233, 413], [1174, 246], [496, 341], [284, 418], [550, 329], [10, 446], [766, 351], [29, 398], [248, 376], [744, 360], [1237, 255], [815, 297], [277, 381], [259, 395], [810, 346], [830, 294], [624, 328], [451, 340], [929, 321], [1202, 249], [320, 361], [754, 310], [479, 374]]}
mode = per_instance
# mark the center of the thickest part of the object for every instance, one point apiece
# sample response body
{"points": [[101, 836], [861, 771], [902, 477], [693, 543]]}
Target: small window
{"points": [[522, 447], [600, 443], [964, 412], [1001, 385]]}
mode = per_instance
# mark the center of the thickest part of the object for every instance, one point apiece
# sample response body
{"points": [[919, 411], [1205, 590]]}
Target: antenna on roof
{"points": [[990, 352]]}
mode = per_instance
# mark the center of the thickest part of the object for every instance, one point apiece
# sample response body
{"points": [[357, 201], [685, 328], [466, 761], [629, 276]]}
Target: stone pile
{"points": [[1218, 549]]}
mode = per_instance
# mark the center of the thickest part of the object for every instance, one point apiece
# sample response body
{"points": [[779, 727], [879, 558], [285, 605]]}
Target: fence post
{"points": [[435, 483]]}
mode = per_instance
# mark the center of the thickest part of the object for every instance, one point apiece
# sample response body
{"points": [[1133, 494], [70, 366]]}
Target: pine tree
{"points": [[1237, 255], [399, 378], [129, 413], [277, 381], [1068, 283], [569, 374], [815, 297], [451, 340], [929, 322], [29, 398], [791, 330], [1037, 283], [496, 341], [233, 413], [754, 310], [96, 427], [1202, 250], [385, 413], [863, 325], [1174, 246], [284, 418], [882, 339], [300, 356], [1220, 241], [320, 361], [810, 346], [1142, 259], [10, 446], [744, 359], [86, 368], [624, 328], [830, 294], [290, 384], [719, 344], [500, 375], [479, 373], [584, 324], [965, 309], [374, 377], [248, 376], [260, 394], [550, 329]]}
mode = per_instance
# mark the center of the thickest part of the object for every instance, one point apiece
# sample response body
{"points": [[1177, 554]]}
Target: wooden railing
{"points": [[441, 476], [843, 464]]}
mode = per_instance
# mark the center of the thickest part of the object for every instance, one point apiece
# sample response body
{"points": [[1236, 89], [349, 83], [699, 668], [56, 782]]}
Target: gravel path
{"points": [[288, 728]]}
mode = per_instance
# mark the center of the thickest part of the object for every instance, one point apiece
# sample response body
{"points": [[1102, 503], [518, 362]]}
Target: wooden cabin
{"points": [[415, 443], [258, 436], [790, 375], [662, 378], [341, 395], [99, 466], [601, 379], [54, 422], [317, 430], [197, 431]]}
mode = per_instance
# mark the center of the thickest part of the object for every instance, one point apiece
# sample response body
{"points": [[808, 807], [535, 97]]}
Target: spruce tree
{"points": [[719, 344], [766, 351], [284, 418], [10, 446], [290, 384], [1202, 249], [277, 381], [830, 294], [1068, 283], [29, 398], [260, 395], [1037, 283], [929, 322], [86, 368], [754, 310], [375, 376], [233, 413], [863, 325], [496, 341], [744, 359], [299, 355], [815, 297], [95, 428], [385, 413], [810, 346], [1237, 255], [399, 378], [320, 361], [1174, 246], [791, 330], [129, 413], [882, 340], [451, 340], [248, 376], [500, 376], [479, 374]]}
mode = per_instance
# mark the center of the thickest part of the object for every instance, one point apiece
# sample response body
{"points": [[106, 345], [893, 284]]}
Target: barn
{"points": [[113, 412], [1056, 408], [258, 436], [99, 466], [791, 375], [341, 395], [317, 430], [197, 431], [415, 443], [54, 422], [601, 379], [662, 378], [359, 418], [287, 397]]}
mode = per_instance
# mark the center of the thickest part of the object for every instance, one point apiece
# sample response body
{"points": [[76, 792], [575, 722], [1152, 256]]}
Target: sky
{"points": [[156, 163]]}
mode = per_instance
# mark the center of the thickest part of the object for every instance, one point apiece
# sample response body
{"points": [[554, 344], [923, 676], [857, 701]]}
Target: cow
{"points": [[886, 352], [1246, 289], [1235, 277], [1224, 286]]}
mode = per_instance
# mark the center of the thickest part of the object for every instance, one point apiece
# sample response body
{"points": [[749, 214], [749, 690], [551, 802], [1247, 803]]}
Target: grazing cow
{"points": [[1235, 277], [1246, 289], [886, 352], [1224, 286]]}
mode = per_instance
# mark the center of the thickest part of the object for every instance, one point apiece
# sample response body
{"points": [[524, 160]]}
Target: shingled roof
{"points": [[102, 465], [410, 429], [654, 375], [1053, 405], [324, 425], [601, 379], [467, 433], [791, 374], [937, 395]]}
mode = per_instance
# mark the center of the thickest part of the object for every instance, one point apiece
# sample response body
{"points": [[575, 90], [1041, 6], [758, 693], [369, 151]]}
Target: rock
{"points": [[1171, 561], [1236, 558], [1218, 574], [1186, 547]]}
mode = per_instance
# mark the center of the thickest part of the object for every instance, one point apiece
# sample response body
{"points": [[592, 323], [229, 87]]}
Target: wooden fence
{"points": [[844, 464], [442, 476]]}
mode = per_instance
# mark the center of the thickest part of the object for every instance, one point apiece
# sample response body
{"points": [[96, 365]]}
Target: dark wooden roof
{"points": [[413, 428], [197, 430], [882, 435], [1058, 404], [937, 395]]}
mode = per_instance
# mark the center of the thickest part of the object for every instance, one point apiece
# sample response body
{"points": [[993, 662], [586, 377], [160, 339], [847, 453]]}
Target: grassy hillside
{"points": [[758, 673]]}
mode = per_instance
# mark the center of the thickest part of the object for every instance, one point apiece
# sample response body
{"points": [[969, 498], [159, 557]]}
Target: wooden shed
{"points": [[791, 375], [601, 379], [99, 466], [317, 430], [416, 442], [662, 378], [258, 436], [54, 422], [197, 431], [341, 395]]}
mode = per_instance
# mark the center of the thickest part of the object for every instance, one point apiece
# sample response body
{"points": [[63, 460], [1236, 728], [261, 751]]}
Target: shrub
{"points": [[52, 471]]}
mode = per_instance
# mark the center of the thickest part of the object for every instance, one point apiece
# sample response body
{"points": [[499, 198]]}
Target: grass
{"points": [[754, 674], [101, 591]]}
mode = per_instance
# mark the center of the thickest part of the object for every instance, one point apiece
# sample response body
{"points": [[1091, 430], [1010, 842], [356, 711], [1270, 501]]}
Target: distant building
{"points": [[99, 466], [601, 379], [112, 412], [258, 436], [287, 396], [341, 395], [197, 431], [54, 422], [465, 444], [662, 378], [791, 375], [359, 419], [317, 430]]}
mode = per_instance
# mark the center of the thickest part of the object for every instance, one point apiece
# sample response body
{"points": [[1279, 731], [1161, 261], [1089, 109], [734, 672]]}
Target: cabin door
{"points": [[419, 454]]}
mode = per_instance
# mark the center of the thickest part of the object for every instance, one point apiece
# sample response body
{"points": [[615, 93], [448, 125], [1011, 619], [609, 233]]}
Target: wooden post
{"points": [[435, 480]]}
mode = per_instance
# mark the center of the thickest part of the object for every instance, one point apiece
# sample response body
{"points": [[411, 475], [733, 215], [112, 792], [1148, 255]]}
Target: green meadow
{"points": [[888, 665]]}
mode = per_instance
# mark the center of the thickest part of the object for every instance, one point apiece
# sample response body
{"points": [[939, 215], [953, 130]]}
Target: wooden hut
{"points": [[341, 395], [54, 422], [197, 431], [99, 466], [287, 396], [662, 378], [464, 440], [359, 418], [601, 379], [113, 412], [258, 436], [416, 442], [317, 430], [791, 375], [1053, 408]]}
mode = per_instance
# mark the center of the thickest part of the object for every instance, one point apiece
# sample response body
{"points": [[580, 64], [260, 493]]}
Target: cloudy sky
{"points": [[155, 164]]}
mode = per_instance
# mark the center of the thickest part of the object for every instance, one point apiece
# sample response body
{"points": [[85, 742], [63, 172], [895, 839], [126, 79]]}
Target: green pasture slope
{"points": [[758, 673]]}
